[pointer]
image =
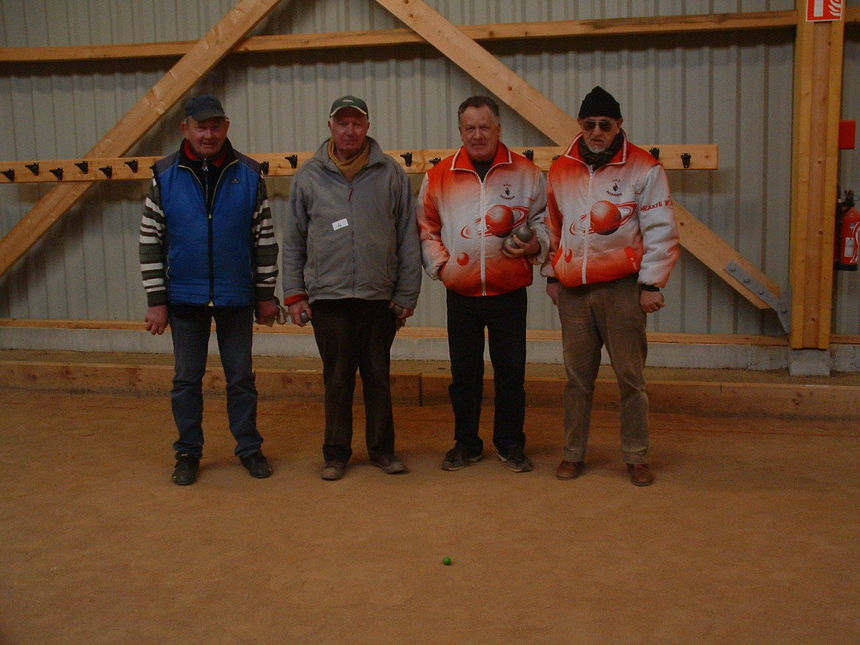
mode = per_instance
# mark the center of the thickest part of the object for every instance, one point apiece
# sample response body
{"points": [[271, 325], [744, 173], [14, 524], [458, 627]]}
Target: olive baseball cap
{"points": [[348, 102]]}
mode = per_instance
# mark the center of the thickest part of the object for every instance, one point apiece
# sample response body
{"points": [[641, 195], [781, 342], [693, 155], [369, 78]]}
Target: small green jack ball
{"points": [[446, 561]]}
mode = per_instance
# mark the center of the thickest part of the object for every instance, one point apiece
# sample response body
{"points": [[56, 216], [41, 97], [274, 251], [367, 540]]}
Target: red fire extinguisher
{"points": [[847, 234]]}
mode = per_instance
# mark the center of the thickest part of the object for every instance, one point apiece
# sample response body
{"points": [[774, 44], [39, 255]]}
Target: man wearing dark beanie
{"points": [[614, 242]]}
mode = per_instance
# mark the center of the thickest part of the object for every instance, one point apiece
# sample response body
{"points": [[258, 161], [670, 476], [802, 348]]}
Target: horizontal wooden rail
{"points": [[410, 331], [393, 37], [280, 164]]}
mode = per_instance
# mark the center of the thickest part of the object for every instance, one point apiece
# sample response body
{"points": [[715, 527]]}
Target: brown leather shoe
{"points": [[569, 469], [640, 474]]}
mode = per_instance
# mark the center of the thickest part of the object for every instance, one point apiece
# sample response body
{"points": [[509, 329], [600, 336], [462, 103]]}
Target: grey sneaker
{"points": [[517, 461], [458, 457], [333, 470], [390, 465]]}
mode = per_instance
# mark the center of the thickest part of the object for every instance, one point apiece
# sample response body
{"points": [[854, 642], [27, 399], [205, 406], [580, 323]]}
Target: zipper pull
{"points": [[349, 197]]}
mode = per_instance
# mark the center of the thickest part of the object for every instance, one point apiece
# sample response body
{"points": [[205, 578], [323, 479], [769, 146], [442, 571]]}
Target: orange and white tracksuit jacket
{"points": [[464, 221], [612, 222]]}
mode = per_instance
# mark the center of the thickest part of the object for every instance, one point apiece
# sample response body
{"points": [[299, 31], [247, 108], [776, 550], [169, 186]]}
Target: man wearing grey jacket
{"points": [[352, 268]]}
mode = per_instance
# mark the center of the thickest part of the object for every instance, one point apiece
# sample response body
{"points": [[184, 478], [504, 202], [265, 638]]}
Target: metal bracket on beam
{"points": [[780, 304]]}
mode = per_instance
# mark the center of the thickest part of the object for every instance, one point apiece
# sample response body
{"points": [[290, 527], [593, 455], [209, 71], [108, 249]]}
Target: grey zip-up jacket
{"points": [[352, 240]]}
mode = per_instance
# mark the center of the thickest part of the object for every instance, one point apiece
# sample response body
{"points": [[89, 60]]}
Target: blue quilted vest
{"points": [[210, 256]]}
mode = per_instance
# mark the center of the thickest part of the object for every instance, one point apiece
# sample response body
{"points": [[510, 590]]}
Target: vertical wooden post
{"points": [[817, 101]]}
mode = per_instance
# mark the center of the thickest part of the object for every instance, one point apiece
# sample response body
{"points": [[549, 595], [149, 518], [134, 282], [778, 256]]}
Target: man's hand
{"points": [[401, 312], [552, 292], [267, 312], [519, 249], [297, 309], [651, 301], [156, 319]]}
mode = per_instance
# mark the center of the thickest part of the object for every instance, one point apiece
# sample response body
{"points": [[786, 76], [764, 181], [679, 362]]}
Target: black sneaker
{"points": [[517, 461], [185, 471], [459, 457], [257, 465]]}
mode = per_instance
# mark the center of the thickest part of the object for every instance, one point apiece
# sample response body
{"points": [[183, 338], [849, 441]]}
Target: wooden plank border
{"points": [[410, 331], [487, 33]]}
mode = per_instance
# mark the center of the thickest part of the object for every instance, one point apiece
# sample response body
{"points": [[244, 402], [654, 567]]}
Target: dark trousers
{"points": [[355, 335], [504, 317], [190, 327]]}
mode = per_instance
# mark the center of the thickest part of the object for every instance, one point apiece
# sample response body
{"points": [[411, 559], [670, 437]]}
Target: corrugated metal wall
{"points": [[733, 89]]}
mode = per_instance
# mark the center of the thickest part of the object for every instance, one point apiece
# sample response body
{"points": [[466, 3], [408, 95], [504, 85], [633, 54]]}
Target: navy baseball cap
{"points": [[204, 107]]}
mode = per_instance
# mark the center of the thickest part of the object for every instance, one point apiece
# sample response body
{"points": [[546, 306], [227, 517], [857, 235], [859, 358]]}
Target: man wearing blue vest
{"points": [[208, 252]]}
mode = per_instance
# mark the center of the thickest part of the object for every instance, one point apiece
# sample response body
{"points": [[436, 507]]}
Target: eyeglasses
{"points": [[604, 125]]}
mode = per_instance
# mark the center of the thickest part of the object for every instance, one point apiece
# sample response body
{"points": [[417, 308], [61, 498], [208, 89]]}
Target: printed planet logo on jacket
{"points": [[464, 249], [605, 241]]}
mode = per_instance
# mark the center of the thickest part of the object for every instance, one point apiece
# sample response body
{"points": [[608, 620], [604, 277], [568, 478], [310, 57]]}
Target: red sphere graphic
{"points": [[605, 217], [463, 259], [500, 220]]}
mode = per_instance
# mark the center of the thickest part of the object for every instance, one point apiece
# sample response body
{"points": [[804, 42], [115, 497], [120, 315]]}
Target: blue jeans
{"points": [[504, 316], [190, 326]]}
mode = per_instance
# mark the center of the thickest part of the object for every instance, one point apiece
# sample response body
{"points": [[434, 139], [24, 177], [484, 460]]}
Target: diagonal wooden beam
{"points": [[128, 130], [445, 36], [559, 126]]}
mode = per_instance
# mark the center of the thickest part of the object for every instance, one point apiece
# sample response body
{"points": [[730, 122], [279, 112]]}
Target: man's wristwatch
{"points": [[649, 287]]}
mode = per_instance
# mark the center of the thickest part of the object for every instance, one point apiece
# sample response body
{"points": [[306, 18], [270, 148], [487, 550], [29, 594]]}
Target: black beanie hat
{"points": [[599, 102]]}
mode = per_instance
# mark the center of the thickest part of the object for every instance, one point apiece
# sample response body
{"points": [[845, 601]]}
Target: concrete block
{"points": [[846, 358], [809, 362]]}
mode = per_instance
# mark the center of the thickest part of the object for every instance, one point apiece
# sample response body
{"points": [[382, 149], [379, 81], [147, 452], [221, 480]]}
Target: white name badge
{"points": [[341, 223]]}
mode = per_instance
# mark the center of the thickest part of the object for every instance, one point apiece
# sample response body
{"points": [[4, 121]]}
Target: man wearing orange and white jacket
{"points": [[468, 206], [614, 244]]}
